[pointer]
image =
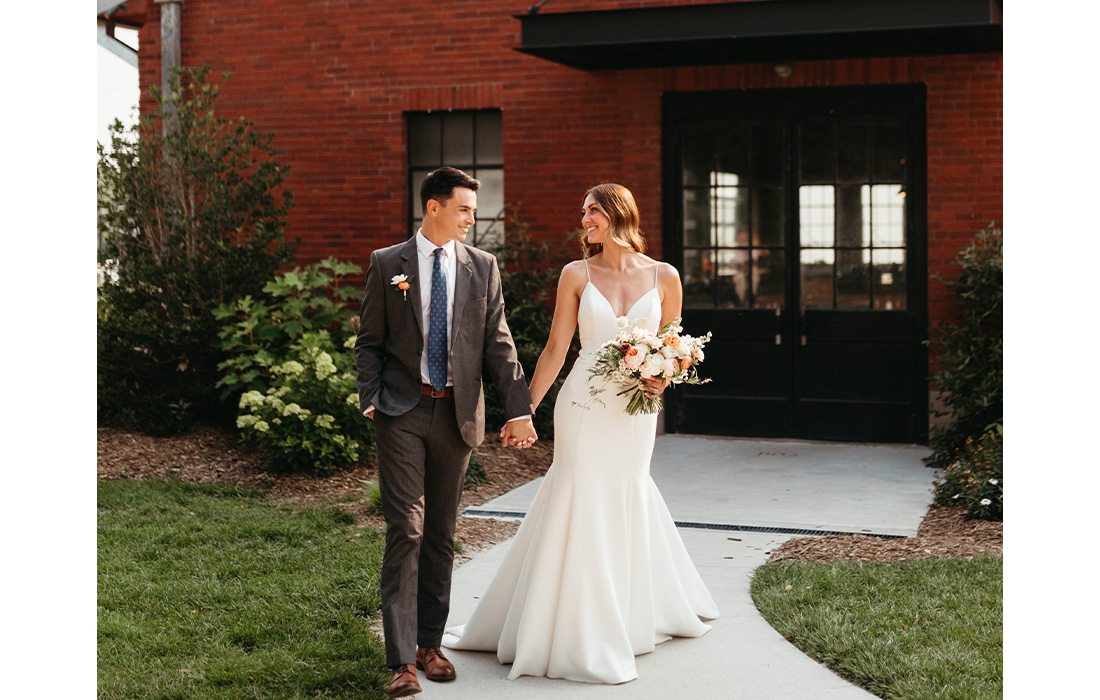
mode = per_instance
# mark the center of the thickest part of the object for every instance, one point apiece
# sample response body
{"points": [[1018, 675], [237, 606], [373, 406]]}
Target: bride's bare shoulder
{"points": [[573, 275]]}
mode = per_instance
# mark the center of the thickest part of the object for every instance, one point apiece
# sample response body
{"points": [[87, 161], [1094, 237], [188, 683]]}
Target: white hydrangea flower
{"points": [[350, 342], [324, 421], [251, 398], [352, 399], [261, 426], [290, 368], [291, 408], [246, 421], [323, 365]]}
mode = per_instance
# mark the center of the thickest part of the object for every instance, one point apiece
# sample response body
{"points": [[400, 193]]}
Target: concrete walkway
{"points": [[730, 489]]}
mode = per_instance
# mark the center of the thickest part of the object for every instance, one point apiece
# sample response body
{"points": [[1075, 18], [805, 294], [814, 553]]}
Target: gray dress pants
{"points": [[422, 463]]}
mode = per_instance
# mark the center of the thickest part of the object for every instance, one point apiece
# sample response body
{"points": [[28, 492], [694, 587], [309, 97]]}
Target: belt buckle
{"points": [[438, 394]]}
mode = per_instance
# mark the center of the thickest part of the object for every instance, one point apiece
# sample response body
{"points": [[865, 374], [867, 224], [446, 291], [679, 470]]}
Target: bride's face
{"points": [[593, 221]]}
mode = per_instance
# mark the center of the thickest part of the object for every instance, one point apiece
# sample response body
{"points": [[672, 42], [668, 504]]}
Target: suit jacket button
{"points": [[419, 353]]}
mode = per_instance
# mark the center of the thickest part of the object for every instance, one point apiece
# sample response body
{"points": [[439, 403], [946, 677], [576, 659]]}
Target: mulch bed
{"points": [[214, 456], [944, 532]]}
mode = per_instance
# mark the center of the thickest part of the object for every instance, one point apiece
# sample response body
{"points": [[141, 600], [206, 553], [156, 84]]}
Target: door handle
{"points": [[778, 338]]}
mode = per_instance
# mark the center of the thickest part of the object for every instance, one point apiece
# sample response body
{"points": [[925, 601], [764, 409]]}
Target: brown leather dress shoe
{"points": [[403, 682], [434, 665]]}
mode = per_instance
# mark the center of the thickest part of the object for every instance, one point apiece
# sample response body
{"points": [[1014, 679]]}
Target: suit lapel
{"points": [[410, 267], [464, 270]]}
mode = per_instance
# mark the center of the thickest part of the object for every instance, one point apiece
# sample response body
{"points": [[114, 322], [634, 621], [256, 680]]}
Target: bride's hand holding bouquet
{"points": [[641, 362]]}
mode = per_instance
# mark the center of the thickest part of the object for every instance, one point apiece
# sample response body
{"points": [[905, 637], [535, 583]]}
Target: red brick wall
{"points": [[332, 79]]}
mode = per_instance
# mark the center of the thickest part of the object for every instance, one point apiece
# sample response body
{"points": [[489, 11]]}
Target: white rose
{"points": [[668, 351], [652, 366], [671, 367]]}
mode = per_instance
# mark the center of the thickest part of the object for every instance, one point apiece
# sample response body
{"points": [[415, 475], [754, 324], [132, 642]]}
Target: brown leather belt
{"points": [[427, 390]]}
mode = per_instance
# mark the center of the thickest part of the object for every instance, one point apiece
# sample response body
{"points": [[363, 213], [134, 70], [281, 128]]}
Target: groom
{"points": [[431, 322]]}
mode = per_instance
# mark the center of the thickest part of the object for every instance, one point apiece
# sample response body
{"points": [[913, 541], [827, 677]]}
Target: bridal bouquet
{"points": [[637, 354]]}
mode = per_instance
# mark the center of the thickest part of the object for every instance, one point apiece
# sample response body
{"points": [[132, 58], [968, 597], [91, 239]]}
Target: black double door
{"points": [[796, 219]]}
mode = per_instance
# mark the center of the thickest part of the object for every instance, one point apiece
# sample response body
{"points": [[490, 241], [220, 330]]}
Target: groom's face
{"points": [[454, 216]]}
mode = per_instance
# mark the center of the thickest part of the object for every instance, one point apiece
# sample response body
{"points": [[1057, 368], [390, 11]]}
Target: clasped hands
{"points": [[518, 433]]}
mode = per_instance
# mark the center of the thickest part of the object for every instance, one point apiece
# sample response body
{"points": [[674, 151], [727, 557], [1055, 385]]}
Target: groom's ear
{"points": [[432, 208]]}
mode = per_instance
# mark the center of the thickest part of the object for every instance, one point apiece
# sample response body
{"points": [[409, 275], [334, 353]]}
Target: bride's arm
{"points": [[570, 286], [672, 293], [672, 302]]}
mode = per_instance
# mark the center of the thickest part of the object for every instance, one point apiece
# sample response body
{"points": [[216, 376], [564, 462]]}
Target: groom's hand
{"points": [[518, 433]]}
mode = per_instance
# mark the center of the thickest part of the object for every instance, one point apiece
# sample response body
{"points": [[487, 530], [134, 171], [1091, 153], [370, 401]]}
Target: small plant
{"points": [[292, 363], [373, 491], [475, 473], [976, 479]]}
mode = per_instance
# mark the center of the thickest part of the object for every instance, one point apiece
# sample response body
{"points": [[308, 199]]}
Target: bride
{"points": [[597, 573]]}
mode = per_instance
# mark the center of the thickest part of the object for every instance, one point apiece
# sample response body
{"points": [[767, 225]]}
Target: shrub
{"points": [[529, 280], [976, 479], [291, 361], [188, 220], [971, 375]]}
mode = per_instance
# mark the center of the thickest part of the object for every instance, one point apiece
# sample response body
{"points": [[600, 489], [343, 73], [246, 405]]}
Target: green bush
{"points": [[976, 479], [970, 378], [529, 279], [294, 423], [189, 220], [292, 363]]}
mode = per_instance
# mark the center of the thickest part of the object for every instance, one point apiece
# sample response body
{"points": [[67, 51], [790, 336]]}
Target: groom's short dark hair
{"points": [[441, 183]]}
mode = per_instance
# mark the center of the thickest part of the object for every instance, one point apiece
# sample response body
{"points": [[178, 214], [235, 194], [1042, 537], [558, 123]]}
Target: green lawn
{"points": [[221, 593], [918, 629]]}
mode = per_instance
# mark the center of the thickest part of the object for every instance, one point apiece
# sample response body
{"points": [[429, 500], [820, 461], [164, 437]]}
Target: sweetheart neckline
{"points": [[627, 314]]}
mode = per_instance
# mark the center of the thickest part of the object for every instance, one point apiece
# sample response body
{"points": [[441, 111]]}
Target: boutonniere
{"points": [[401, 282]]}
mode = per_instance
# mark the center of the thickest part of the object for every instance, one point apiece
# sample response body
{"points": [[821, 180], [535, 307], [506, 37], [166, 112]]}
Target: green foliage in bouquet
{"points": [[188, 220], [976, 479], [972, 351], [292, 364], [529, 279]]}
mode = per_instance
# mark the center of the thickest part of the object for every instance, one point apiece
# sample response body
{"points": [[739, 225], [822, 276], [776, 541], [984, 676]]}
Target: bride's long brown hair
{"points": [[617, 204]]}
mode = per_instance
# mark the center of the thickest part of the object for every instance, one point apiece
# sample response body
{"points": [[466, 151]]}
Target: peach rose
{"points": [[685, 363], [672, 340]]}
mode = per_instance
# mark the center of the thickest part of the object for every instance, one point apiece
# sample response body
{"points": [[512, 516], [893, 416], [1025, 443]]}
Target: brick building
{"points": [[806, 164]]}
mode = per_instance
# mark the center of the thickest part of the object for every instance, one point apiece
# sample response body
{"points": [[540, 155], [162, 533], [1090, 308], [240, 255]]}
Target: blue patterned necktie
{"points": [[437, 326]]}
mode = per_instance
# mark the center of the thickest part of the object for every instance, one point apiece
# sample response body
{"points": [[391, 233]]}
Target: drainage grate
{"points": [[519, 515]]}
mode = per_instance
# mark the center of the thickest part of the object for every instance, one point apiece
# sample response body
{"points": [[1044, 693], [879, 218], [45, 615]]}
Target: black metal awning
{"points": [[761, 31]]}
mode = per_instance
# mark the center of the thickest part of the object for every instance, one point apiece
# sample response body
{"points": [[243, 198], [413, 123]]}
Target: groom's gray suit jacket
{"points": [[391, 339]]}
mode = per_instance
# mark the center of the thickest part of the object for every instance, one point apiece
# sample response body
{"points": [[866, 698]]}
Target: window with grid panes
{"points": [[470, 141], [851, 205]]}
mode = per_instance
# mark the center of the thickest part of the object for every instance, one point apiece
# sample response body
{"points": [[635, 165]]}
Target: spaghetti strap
{"points": [[586, 269], [656, 269]]}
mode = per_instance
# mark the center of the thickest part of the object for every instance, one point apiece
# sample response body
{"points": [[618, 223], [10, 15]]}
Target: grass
{"points": [[214, 592], [918, 629]]}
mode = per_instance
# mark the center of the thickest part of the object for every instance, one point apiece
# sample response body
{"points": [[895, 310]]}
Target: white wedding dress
{"points": [[597, 572]]}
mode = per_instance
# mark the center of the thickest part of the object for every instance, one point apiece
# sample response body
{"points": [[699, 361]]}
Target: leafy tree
{"points": [[190, 218]]}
